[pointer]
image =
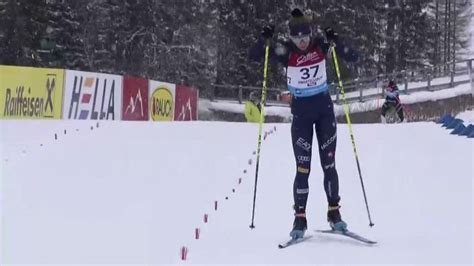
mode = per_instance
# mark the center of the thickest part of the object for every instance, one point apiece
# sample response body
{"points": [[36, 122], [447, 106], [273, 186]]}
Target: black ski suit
{"points": [[312, 110], [392, 100]]}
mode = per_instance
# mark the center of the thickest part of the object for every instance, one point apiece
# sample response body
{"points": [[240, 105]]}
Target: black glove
{"points": [[331, 35], [267, 31]]}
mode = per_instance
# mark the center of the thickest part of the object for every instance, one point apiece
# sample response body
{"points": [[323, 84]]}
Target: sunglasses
{"points": [[300, 38]]}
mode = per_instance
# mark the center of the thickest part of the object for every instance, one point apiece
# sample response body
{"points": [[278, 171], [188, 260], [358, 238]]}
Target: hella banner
{"points": [[162, 105], [185, 103], [30, 93], [135, 99], [92, 96]]}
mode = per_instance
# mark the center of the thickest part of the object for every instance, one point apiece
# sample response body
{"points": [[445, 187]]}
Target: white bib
{"points": [[306, 74]]}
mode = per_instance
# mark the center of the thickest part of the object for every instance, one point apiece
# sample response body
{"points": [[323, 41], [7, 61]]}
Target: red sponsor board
{"points": [[185, 103], [135, 99]]}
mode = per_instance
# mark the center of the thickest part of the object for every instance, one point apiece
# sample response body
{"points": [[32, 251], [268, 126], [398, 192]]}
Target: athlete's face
{"points": [[301, 41]]}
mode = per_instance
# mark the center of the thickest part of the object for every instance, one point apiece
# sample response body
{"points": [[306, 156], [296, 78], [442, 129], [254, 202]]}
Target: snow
{"points": [[422, 96], [205, 105], [355, 107], [411, 85], [467, 116], [134, 192]]}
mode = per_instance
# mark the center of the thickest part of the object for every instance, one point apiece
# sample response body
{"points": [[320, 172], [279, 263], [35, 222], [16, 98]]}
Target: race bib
{"points": [[306, 74]]}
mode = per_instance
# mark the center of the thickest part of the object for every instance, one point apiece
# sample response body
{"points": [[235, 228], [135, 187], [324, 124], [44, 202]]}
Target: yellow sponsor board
{"points": [[162, 105], [30, 93]]}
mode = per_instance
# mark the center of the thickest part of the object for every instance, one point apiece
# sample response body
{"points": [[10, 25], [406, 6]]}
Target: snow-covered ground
{"points": [[134, 193], [467, 116], [411, 86]]}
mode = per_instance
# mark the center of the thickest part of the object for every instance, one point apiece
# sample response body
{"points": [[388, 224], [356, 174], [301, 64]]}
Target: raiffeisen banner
{"points": [[30, 93]]}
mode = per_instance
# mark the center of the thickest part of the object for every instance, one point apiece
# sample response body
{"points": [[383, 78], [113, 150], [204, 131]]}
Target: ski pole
{"points": [[405, 108], [260, 125], [348, 119]]}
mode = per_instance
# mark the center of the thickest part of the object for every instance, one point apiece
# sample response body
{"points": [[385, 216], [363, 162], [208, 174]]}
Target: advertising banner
{"points": [[92, 96], [186, 100], [162, 104], [30, 93], [135, 99]]}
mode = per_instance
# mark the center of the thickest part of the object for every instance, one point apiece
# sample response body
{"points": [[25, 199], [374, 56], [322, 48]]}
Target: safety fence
{"points": [[362, 89]]}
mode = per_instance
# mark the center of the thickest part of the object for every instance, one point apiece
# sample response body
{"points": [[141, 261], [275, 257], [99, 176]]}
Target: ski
{"points": [[349, 234], [294, 241]]}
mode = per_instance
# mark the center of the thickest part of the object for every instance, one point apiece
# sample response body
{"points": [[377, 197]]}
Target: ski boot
{"points": [[299, 226], [334, 219]]}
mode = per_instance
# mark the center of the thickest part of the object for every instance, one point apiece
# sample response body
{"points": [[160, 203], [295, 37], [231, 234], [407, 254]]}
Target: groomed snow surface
{"points": [[134, 193], [467, 116]]}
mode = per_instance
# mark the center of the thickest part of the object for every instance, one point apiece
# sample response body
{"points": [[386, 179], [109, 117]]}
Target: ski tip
{"points": [[325, 231], [349, 234], [294, 241], [367, 241]]}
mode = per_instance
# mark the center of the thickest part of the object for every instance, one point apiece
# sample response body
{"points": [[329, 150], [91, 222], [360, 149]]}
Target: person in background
{"points": [[252, 108], [392, 100]]}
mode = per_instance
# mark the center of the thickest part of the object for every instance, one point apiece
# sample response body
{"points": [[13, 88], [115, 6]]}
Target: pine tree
{"points": [[23, 28], [450, 33], [4, 20], [188, 49], [100, 24], [462, 16]]}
